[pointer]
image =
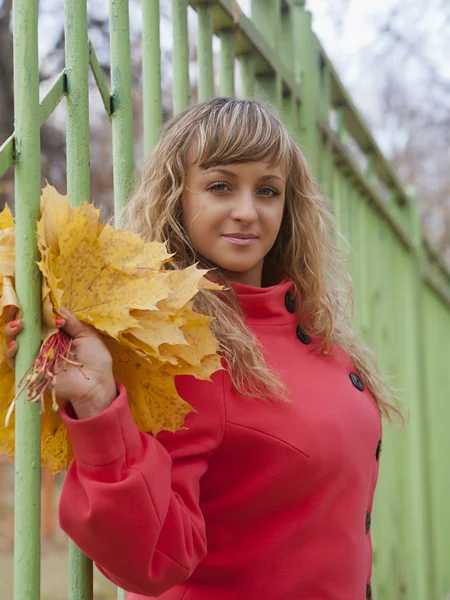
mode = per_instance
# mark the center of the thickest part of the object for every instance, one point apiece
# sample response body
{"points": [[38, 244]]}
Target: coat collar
{"points": [[266, 303]]}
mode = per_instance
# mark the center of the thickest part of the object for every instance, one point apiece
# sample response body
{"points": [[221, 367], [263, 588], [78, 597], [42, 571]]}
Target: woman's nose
{"points": [[244, 208]]}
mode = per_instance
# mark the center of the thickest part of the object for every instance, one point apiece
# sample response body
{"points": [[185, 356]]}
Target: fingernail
{"points": [[11, 343], [60, 321], [13, 324]]}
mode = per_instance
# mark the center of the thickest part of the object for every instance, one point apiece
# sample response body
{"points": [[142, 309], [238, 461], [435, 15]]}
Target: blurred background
{"points": [[390, 54]]}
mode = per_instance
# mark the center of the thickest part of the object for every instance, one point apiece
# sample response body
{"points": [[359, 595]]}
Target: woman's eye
{"points": [[268, 191], [219, 187]]}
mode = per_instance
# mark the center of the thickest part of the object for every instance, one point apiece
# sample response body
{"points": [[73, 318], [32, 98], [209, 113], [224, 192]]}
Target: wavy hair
{"points": [[225, 131]]}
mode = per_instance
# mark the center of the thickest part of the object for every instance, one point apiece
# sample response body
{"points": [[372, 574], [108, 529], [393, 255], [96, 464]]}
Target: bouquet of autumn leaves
{"points": [[115, 282]]}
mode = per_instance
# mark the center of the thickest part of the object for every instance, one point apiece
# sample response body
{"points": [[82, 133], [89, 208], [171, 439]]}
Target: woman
{"points": [[268, 491]]}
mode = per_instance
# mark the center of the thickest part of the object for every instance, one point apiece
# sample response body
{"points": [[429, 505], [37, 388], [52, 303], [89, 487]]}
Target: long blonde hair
{"points": [[227, 130]]}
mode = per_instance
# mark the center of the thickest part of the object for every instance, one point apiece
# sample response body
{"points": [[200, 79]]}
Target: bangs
{"points": [[239, 131]]}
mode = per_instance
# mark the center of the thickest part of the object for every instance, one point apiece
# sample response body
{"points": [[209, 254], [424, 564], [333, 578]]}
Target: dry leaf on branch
{"points": [[117, 283]]}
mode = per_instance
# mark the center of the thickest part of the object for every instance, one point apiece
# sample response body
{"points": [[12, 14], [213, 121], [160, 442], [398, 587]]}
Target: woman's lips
{"points": [[240, 241]]}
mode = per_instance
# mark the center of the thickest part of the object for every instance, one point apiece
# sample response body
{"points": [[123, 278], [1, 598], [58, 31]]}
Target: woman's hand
{"points": [[88, 396]]}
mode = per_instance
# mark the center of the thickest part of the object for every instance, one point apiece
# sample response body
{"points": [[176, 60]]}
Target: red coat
{"points": [[256, 500]]}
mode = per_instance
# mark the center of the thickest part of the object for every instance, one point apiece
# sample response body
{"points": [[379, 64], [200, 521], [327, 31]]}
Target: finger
{"points": [[74, 327], [10, 312], [10, 353], [11, 329]]}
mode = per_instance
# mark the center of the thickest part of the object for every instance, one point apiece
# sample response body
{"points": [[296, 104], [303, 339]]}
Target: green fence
{"points": [[402, 287]]}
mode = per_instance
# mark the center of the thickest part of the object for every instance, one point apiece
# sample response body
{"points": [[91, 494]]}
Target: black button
{"points": [[368, 521], [289, 302], [378, 452], [368, 592], [357, 382], [302, 335]]}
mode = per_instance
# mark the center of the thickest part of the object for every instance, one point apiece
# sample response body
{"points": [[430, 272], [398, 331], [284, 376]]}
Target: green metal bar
{"points": [[97, 72], [6, 154], [122, 109], [307, 62], [205, 53], [181, 85], [420, 425], [27, 482], [151, 73], [266, 14], [121, 594], [77, 64], [247, 64], [78, 186], [227, 58], [53, 97], [48, 104]]}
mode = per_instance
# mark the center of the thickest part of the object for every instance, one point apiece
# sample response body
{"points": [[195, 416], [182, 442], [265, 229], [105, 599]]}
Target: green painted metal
{"points": [[6, 154], [181, 85], [306, 63], [122, 109], [102, 86], [402, 288], [247, 64], [27, 192], [227, 58], [77, 64], [78, 187], [48, 104], [151, 74], [53, 97], [205, 53]]}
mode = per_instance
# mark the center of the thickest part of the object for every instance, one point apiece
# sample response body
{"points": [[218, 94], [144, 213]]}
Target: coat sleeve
{"points": [[130, 501]]}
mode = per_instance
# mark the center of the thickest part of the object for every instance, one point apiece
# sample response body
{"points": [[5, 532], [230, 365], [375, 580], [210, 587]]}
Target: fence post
{"points": [[227, 57], [205, 53], [422, 488], [306, 62], [181, 85], [78, 186], [122, 110], [27, 193], [266, 14], [151, 73]]}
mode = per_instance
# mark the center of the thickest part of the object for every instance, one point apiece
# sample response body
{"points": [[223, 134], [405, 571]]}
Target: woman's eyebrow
{"points": [[231, 174], [272, 177], [219, 170]]}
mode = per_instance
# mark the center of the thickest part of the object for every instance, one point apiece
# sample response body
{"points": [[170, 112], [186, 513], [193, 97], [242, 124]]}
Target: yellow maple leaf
{"points": [[116, 282], [6, 218]]}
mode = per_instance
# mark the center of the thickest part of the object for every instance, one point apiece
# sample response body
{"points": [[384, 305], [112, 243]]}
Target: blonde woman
{"points": [[268, 492]]}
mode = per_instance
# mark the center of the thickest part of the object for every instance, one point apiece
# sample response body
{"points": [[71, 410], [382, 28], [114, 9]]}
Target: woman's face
{"points": [[232, 214]]}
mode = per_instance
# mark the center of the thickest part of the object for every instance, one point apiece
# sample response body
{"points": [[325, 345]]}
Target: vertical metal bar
{"points": [[181, 85], [151, 73], [247, 64], [307, 68], [227, 57], [78, 186], [205, 53], [421, 449], [122, 107], [286, 48], [77, 64], [266, 15], [122, 104], [27, 191]]}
